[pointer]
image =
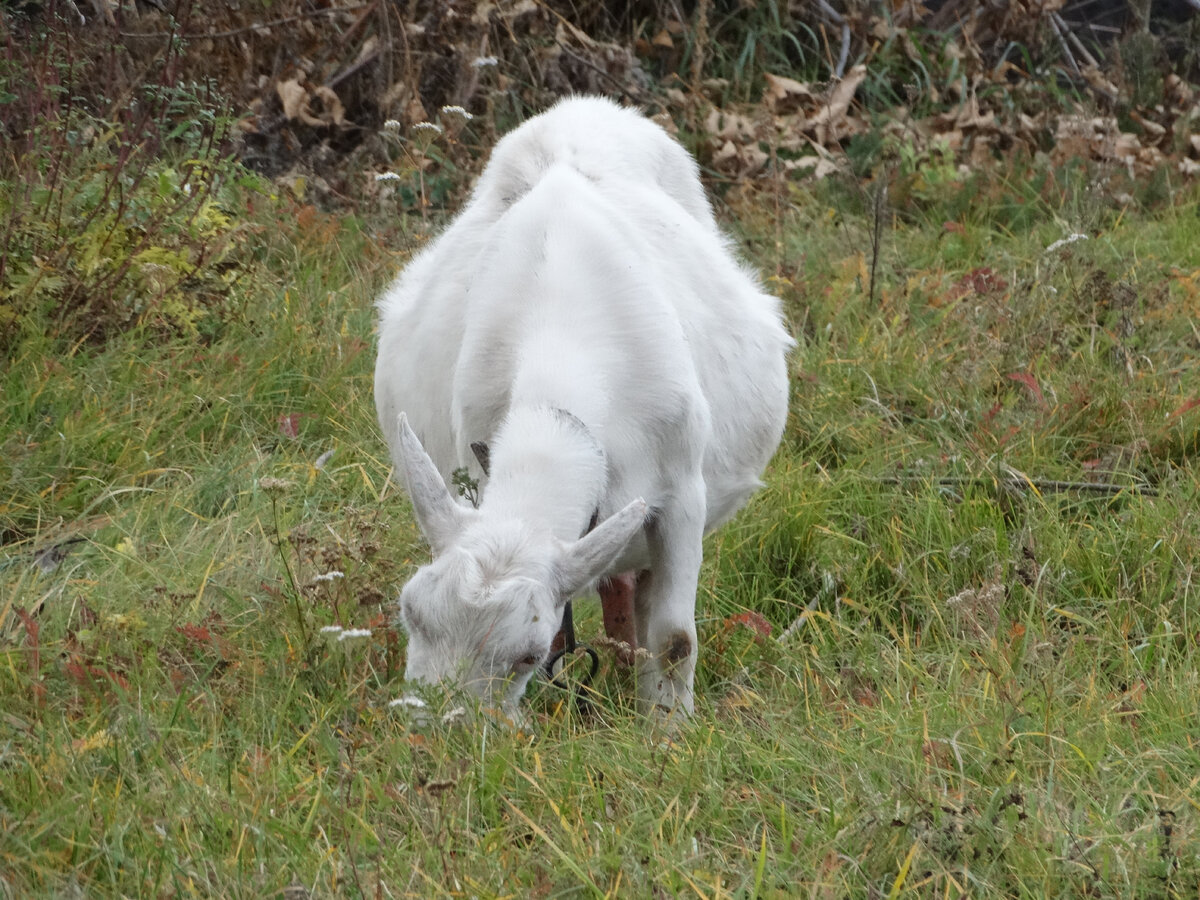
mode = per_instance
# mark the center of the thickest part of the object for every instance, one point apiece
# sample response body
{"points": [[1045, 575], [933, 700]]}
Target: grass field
{"points": [[975, 552]]}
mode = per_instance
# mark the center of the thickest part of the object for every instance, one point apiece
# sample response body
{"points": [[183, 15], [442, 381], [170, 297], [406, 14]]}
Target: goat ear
{"points": [[484, 455], [440, 518], [594, 554]]}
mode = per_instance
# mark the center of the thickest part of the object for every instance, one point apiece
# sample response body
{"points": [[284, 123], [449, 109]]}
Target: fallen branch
{"points": [[1021, 483]]}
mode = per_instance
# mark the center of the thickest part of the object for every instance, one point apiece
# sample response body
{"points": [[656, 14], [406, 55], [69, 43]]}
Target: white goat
{"points": [[584, 317]]}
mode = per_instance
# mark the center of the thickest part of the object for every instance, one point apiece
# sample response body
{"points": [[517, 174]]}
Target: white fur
{"points": [[584, 317]]}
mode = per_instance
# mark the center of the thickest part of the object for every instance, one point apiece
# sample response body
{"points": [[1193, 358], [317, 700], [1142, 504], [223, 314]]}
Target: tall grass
{"points": [[985, 690]]}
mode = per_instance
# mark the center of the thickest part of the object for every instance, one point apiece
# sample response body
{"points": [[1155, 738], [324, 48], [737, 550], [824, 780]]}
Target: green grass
{"points": [[993, 692]]}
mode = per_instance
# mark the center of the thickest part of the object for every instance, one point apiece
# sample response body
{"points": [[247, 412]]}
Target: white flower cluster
{"points": [[1069, 239], [345, 634]]}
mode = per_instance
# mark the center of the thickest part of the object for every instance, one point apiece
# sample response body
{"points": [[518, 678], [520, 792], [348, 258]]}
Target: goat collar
{"points": [[571, 646]]}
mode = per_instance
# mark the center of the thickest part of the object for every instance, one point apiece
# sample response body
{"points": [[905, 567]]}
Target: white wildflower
{"points": [[411, 702], [428, 126], [391, 125], [387, 176], [354, 633], [457, 111], [332, 629], [1069, 239], [275, 486], [330, 576], [459, 712], [484, 61]]}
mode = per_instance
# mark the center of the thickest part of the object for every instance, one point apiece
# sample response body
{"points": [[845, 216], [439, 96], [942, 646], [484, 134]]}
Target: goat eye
{"points": [[526, 662]]}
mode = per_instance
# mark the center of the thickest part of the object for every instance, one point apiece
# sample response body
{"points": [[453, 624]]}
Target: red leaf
{"points": [[93, 676], [196, 633], [1030, 382], [77, 672], [32, 628], [983, 280], [751, 620], [1187, 407], [289, 425]]}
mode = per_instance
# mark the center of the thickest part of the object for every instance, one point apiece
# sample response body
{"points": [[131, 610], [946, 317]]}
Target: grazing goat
{"points": [[584, 318]]}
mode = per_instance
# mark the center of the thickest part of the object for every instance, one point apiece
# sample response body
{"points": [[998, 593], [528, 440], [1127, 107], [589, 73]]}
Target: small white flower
{"points": [[454, 715], [274, 486], [484, 61], [332, 629], [391, 125], [457, 111], [354, 633], [330, 576], [428, 126], [387, 176], [1069, 239], [411, 702]]}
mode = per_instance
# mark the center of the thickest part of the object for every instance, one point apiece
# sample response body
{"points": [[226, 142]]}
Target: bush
{"points": [[111, 194]]}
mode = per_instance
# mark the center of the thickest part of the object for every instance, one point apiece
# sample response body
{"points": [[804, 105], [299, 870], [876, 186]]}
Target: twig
{"points": [[352, 69], [878, 206], [1039, 485], [844, 54], [1075, 41], [1059, 29], [838, 19], [311, 14], [700, 45], [288, 569], [800, 621], [617, 86]]}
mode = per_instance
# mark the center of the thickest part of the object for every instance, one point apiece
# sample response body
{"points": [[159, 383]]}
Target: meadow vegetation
{"points": [[952, 648]]}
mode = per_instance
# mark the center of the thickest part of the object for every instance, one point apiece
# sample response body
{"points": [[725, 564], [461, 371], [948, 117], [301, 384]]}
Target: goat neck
{"points": [[547, 470]]}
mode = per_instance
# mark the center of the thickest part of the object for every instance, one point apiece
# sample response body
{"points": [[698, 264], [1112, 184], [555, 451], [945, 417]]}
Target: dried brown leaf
{"points": [[293, 96], [333, 113], [730, 126], [663, 40], [829, 121], [815, 167], [785, 95]]}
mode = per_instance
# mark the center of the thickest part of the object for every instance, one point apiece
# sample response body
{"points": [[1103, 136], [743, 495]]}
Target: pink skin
{"points": [[616, 601]]}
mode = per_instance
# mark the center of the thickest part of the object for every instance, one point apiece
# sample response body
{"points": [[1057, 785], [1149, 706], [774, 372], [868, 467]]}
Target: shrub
{"points": [[111, 192]]}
